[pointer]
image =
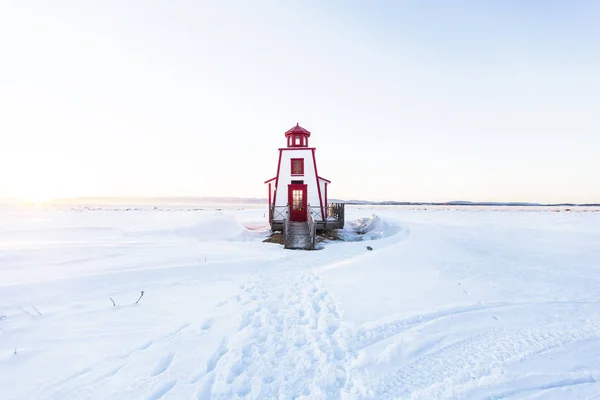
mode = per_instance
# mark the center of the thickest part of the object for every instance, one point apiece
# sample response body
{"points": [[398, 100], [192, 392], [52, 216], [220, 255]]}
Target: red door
{"points": [[297, 202]]}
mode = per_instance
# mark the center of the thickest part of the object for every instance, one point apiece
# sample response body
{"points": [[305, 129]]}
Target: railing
{"points": [[278, 213], [337, 211], [286, 227], [312, 228], [316, 211]]}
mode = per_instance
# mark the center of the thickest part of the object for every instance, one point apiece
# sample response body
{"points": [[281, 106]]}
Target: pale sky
{"points": [[416, 101]]}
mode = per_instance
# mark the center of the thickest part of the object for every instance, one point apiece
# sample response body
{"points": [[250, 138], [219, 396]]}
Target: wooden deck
{"points": [[335, 220], [321, 225]]}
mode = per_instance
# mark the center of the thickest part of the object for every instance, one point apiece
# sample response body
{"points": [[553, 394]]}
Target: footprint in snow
{"points": [[211, 364], [316, 306], [163, 364], [208, 324], [196, 376], [339, 353], [146, 345], [235, 371], [162, 390], [247, 317], [205, 392]]}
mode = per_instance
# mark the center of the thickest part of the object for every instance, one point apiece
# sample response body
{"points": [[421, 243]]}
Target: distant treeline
{"points": [[461, 203], [183, 200]]}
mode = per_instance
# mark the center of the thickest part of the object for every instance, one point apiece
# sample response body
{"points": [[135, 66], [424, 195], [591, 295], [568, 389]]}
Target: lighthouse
{"points": [[298, 194]]}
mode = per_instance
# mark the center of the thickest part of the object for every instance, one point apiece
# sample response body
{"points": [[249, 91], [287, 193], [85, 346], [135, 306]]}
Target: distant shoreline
{"points": [[467, 203], [198, 201]]}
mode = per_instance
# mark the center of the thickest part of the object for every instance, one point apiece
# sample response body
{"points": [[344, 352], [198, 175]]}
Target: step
{"points": [[298, 245], [298, 236], [298, 241]]}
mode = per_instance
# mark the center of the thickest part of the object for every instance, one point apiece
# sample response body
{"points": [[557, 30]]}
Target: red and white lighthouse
{"points": [[298, 190]]}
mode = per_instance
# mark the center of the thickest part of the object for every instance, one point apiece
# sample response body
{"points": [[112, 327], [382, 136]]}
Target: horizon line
{"points": [[265, 200]]}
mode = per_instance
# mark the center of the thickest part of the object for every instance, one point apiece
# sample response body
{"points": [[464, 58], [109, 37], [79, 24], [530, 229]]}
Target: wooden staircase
{"points": [[298, 236]]}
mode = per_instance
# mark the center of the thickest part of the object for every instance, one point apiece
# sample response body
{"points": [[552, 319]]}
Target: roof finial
{"points": [[297, 124]]}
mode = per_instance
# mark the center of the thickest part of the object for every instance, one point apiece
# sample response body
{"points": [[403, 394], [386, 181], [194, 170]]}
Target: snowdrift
{"points": [[219, 227], [216, 227], [368, 228]]}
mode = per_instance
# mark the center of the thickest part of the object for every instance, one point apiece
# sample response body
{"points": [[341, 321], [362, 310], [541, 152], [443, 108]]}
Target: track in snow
{"points": [[451, 370], [290, 343]]}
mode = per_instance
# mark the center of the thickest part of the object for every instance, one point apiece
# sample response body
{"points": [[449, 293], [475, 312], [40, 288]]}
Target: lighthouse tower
{"points": [[297, 190]]}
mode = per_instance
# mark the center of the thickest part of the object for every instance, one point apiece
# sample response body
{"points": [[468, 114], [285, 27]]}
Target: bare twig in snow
{"points": [[24, 310], [15, 351], [141, 295], [112, 301], [37, 312]]}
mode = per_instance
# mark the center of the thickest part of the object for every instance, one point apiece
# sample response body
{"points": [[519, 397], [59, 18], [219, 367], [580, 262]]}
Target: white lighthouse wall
{"points": [[272, 186], [309, 178], [322, 183]]}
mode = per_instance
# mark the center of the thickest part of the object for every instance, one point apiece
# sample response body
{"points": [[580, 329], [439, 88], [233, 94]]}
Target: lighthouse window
{"points": [[297, 166], [297, 200], [297, 141]]}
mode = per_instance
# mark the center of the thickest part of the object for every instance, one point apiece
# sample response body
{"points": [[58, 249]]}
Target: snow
{"points": [[451, 303]]}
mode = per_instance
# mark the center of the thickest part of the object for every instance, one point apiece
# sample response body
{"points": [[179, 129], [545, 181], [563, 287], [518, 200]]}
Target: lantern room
{"points": [[297, 137]]}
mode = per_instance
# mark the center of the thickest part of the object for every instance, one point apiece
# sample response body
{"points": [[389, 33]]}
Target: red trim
{"points": [[297, 141], [326, 180], [277, 178], [270, 180], [269, 203], [318, 185], [300, 215], [326, 203], [296, 148], [297, 130], [301, 166]]}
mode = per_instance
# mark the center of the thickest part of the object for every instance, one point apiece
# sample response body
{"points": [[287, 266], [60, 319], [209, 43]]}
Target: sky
{"points": [[409, 101]]}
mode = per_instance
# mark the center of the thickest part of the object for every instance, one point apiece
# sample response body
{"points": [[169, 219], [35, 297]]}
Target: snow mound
{"points": [[216, 227], [368, 228]]}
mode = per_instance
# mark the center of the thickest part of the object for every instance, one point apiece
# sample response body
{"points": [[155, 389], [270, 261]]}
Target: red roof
{"points": [[297, 130]]}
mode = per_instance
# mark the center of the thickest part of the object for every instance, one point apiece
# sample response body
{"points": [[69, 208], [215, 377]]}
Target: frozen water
{"points": [[449, 304]]}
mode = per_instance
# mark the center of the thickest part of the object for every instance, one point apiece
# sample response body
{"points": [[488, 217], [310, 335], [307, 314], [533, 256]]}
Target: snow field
{"points": [[449, 304]]}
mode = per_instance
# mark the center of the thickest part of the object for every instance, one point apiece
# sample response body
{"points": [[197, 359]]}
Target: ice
{"points": [[451, 303]]}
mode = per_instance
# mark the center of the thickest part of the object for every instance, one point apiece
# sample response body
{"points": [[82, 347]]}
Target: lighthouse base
{"points": [[335, 211], [277, 226]]}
